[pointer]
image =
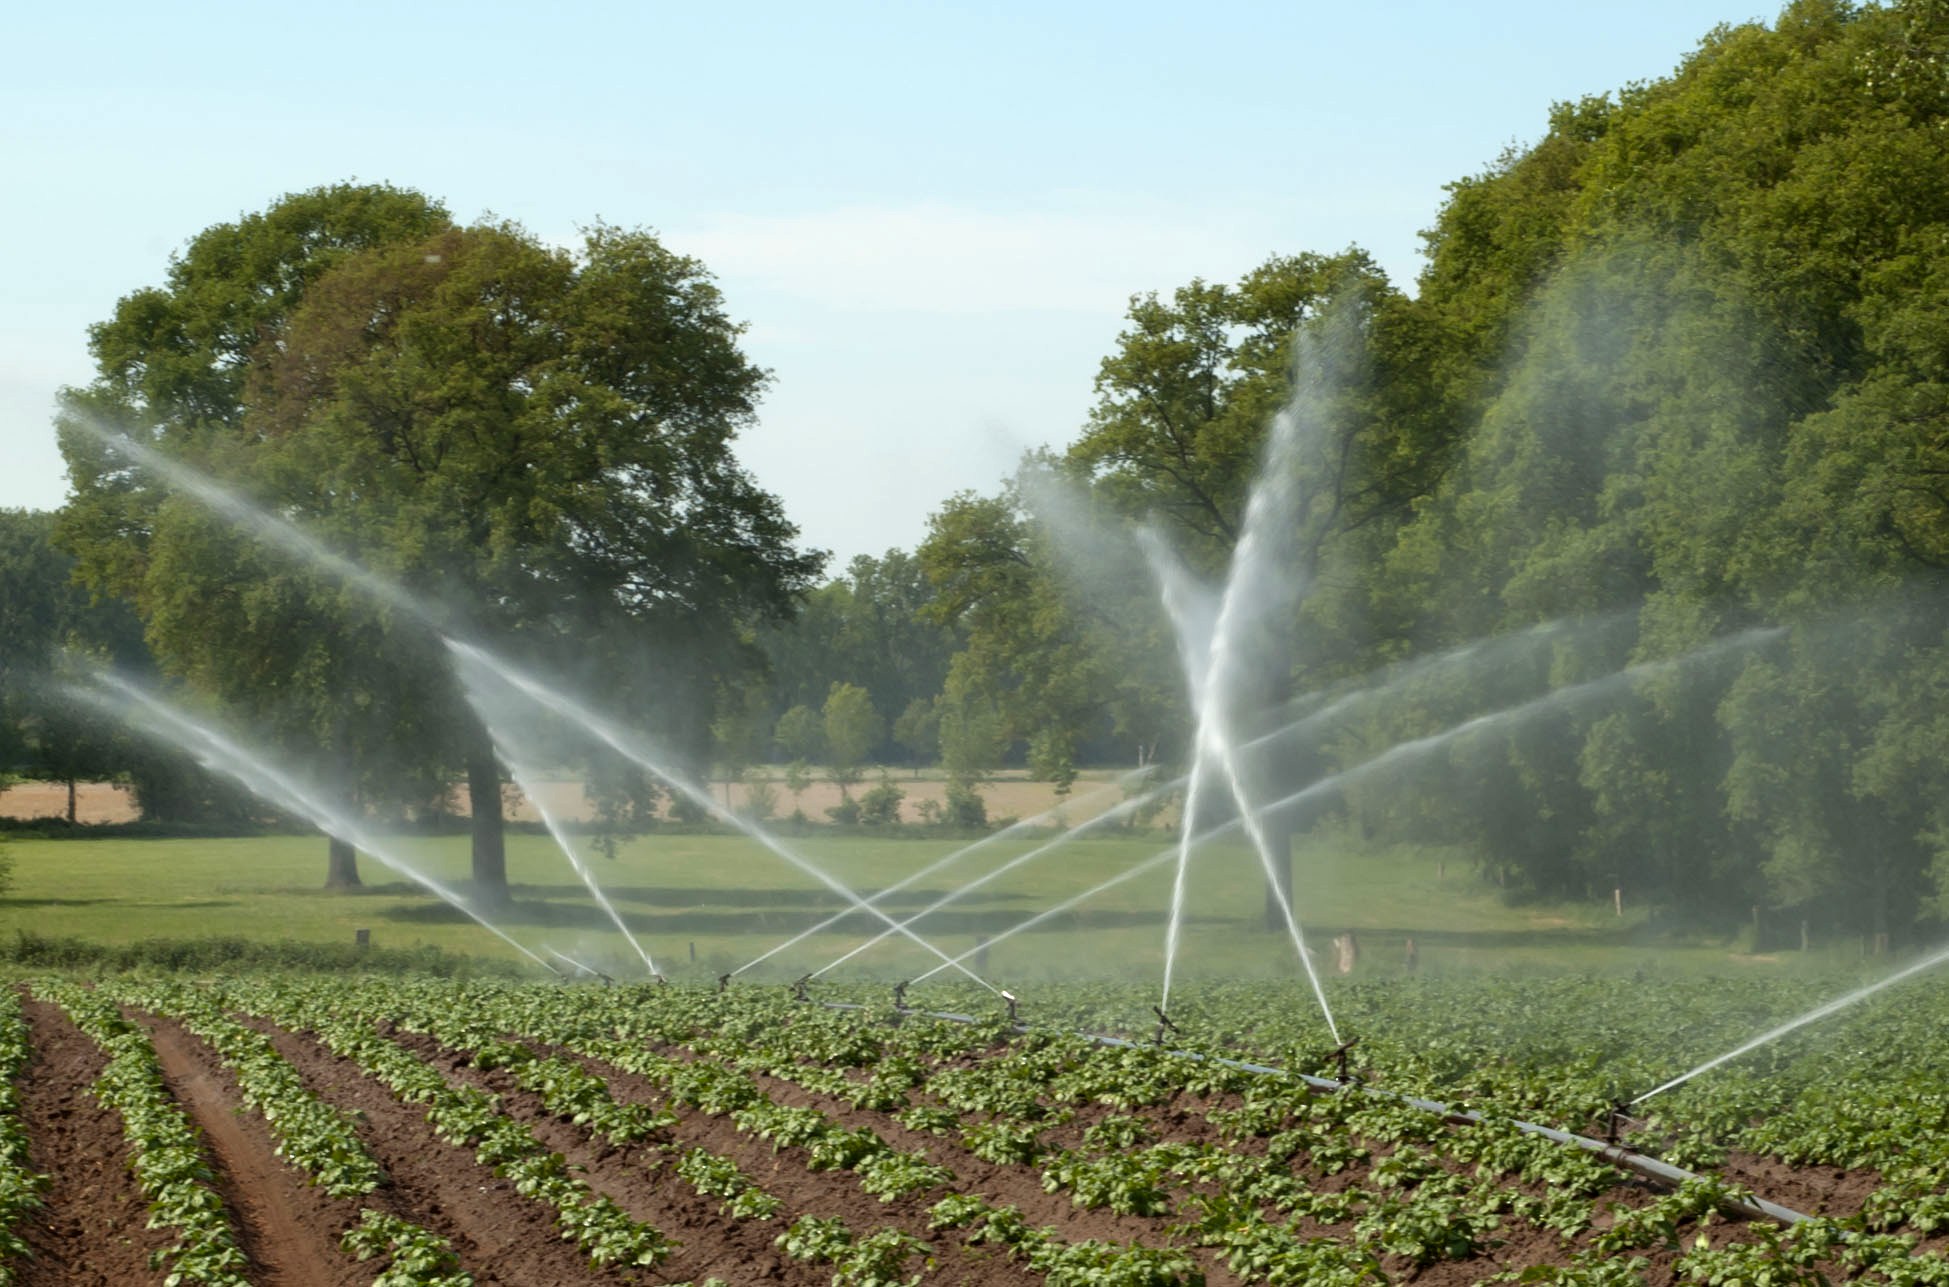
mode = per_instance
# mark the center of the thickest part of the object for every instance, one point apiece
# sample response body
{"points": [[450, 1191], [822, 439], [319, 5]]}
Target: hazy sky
{"points": [[932, 216]]}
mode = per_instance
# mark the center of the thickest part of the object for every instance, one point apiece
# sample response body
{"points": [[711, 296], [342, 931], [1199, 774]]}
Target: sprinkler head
{"points": [[1163, 1023], [1338, 1057], [900, 995], [1009, 997], [608, 982], [723, 983], [1616, 1119], [661, 981], [799, 988]]}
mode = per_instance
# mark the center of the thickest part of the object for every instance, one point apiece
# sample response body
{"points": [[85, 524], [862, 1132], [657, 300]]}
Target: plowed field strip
{"points": [[286, 1226], [504, 1239], [93, 1231]]}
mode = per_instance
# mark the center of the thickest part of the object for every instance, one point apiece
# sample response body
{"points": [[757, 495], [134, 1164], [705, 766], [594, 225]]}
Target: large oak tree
{"points": [[536, 443]]}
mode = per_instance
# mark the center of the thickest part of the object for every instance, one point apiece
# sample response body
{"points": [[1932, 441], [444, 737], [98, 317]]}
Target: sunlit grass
{"points": [[708, 904]]}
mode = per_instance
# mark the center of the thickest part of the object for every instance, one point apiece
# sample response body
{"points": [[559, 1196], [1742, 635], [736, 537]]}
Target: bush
{"points": [[880, 807], [965, 807], [760, 798], [846, 812]]}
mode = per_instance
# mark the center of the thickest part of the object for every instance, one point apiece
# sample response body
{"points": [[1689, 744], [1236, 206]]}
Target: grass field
{"points": [[706, 904]]}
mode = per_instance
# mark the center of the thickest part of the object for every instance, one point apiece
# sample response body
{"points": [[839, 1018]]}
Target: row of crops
{"points": [[875, 1145]]}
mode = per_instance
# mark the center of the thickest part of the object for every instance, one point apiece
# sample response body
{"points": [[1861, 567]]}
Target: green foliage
{"points": [[415, 1257], [21, 1187], [802, 735], [880, 807], [408, 445]]}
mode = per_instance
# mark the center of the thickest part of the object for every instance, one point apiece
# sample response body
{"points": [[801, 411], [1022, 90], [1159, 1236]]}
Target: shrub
{"points": [[880, 807], [965, 807]]}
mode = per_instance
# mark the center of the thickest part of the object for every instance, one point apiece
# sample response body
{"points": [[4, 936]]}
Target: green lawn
{"points": [[728, 900]]}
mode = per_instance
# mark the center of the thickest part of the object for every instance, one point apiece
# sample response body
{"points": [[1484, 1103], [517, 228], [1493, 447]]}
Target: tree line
{"points": [[1672, 372]]}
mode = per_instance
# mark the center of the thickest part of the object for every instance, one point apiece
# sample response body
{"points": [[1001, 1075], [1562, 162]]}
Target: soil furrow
{"points": [[93, 1231], [287, 1227], [503, 1238], [825, 1194], [822, 1193], [639, 1179]]}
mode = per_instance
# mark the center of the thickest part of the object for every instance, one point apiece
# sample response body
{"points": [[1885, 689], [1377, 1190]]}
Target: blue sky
{"points": [[931, 216]]}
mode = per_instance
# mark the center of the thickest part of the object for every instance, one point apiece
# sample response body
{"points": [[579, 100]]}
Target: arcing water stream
{"points": [[1569, 694], [1258, 586], [1817, 1013], [478, 661], [525, 779], [279, 787], [945, 860], [480, 670]]}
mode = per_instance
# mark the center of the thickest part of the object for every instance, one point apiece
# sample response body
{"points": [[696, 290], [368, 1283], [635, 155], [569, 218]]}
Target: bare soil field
{"points": [[1007, 797]]}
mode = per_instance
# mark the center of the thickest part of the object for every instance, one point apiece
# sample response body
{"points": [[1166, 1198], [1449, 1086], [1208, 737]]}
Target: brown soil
{"points": [[287, 1227], [783, 1174], [93, 1231], [1008, 797], [94, 802], [502, 1238]]}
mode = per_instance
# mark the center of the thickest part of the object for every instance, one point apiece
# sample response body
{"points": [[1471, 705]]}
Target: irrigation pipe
{"points": [[1663, 1174]]}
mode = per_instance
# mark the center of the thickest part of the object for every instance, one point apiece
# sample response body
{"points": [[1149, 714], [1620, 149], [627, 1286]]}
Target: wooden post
{"points": [[693, 951], [1617, 900], [1413, 958], [362, 939]]}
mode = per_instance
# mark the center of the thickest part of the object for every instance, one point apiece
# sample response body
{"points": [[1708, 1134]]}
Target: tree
{"points": [[869, 628], [43, 730], [853, 728], [536, 442], [918, 731], [801, 734]]}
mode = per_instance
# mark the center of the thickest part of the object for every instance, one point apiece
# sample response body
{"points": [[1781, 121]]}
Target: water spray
{"points": [[939, 863], [1818, 1012], [263, 778], [632, 747], [524, 779], [582, 967], [295, 541]]}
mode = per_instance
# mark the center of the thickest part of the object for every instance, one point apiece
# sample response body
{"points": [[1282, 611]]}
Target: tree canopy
{"points": [[537, 442]]}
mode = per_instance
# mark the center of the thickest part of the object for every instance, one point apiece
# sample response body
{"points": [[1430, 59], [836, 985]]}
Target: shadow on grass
{"points": [[10, 903]]}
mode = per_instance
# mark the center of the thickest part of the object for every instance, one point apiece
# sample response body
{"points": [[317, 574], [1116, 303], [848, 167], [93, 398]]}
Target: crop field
{"points": [[303, 1128]]}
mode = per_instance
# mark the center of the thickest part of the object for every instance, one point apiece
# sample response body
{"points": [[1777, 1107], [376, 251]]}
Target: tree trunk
{"points": [[71, 809], [490, 844], [341, 865]]}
